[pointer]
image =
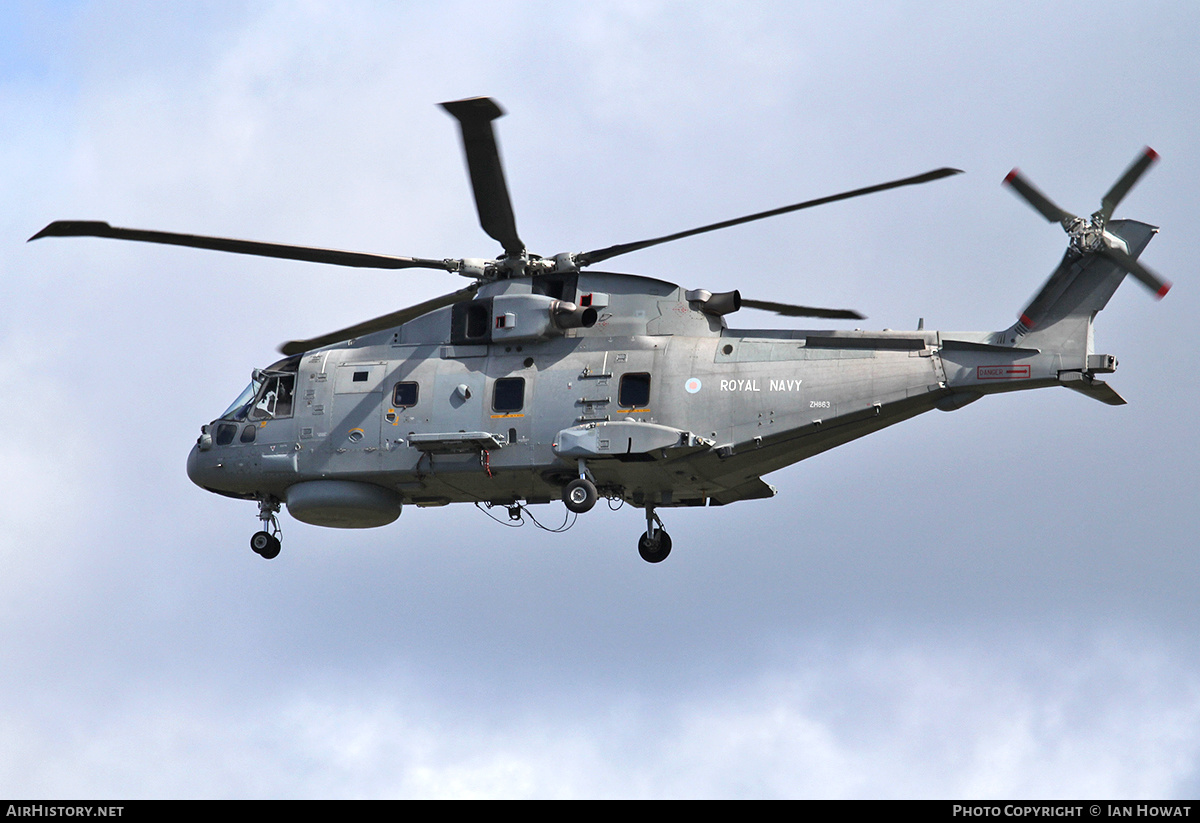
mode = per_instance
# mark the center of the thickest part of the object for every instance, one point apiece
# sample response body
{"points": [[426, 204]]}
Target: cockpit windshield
{"points": [[237, 410], [270, 393]]}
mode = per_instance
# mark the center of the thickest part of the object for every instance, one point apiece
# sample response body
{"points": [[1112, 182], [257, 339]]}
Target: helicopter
{"points": [[546, 380]]}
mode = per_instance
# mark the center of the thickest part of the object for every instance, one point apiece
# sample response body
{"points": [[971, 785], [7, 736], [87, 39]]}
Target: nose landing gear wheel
{"points": [[580, 495], [265, 544], [655, 549]]}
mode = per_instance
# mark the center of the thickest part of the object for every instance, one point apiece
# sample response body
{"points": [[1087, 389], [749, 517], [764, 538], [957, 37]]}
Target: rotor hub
{"points": [[1086, 235]]}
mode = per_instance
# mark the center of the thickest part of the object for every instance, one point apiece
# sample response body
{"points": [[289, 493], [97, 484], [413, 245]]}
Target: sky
{"points": [[999, 602]]}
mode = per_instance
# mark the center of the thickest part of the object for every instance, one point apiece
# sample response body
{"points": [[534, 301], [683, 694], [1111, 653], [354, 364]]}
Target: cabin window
{"points": [[225, 433], [635, 390], [405, 394], [248, 433], [508, 394]]}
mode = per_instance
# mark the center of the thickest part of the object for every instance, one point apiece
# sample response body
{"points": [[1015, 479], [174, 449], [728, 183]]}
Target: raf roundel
{"points": [[692, 385]]}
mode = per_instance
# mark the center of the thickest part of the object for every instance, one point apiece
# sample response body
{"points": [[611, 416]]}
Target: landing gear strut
{"points": [[266, 542], [655, 544]]}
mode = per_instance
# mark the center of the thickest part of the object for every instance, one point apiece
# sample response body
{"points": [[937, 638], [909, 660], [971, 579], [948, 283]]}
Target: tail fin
{"points": [[1051, 343], [1101, 253], [1059, 318], [1058, 321]]}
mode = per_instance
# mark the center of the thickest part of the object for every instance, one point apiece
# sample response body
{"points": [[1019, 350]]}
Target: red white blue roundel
{"points": [[692, 385]]}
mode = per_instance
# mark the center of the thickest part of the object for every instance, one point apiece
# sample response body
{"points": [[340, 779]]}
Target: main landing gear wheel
{"points": [[580, 495], [655, 544], [655, 549], [265, 544]]}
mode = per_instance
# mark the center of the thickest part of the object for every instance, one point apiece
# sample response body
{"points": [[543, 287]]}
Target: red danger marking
{"points": [[1002, 372]]}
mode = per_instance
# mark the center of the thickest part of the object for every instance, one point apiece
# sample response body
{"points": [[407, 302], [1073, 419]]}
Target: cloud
{"points": [[1089, 716]]}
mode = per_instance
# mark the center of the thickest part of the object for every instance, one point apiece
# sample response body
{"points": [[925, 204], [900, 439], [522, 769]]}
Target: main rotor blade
{"points": [[387, 321], [590, 257], [788, 310], [1153, 282], [96, 228], [1126, 182], [1043, 204], [475, 116]]}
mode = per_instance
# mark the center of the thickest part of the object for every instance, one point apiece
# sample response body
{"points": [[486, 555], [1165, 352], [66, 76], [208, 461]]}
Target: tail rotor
{"points": [[1089, 236]]}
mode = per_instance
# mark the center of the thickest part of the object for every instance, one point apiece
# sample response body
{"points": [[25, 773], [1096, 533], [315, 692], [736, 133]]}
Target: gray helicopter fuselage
{"points": [[657, 399], [669, 393]]}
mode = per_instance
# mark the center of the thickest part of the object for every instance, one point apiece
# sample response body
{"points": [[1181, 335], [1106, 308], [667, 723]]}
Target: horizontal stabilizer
{"points": [[755, 489], [1095, 389]]}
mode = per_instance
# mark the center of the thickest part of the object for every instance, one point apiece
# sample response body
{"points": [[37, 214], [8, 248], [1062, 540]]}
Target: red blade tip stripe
{"points": [[1151, 153], [1161, 293], [1009, 177]]}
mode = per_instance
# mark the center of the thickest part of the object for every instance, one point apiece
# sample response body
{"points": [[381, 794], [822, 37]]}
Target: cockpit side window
{"points": [[274, 400], [270, 395]]}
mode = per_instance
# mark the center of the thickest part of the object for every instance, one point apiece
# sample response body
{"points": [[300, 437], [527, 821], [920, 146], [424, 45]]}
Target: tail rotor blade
{"points": [[1152, 281], [1040, 202], [475, 116], [1127, 181]]}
